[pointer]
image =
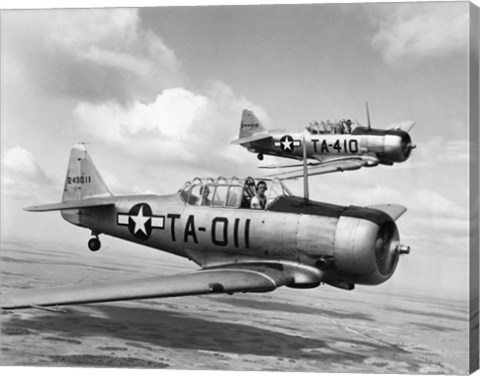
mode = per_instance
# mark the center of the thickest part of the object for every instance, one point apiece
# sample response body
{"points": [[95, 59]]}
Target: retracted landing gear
{"points": [[260, 157], [94, 243]]}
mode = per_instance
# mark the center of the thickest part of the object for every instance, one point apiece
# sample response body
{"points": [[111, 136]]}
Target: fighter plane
{"points": [[290, 242], [331, 146]]}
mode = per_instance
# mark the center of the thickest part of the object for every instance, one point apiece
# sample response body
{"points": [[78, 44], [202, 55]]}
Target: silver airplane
{"points": [[290, 242], [330, 146]]}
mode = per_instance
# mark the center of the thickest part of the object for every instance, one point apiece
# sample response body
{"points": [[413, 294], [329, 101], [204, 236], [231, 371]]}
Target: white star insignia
{"points": [[287, 144], [140, 221]]}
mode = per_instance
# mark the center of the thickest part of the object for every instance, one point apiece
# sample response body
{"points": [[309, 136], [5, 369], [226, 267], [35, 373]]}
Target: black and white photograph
{"points": [[249, 187]]}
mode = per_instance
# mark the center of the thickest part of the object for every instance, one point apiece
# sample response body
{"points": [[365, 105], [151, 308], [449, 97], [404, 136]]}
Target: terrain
{"points": [[321, 330]]}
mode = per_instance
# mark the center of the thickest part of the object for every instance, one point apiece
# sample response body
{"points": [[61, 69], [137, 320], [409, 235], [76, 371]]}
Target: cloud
{"points": [[112, 38], [422, 31], [22, 177], [20, 162], [453, 151], [434, 205], [170, 116], [125, 87], [178, 127], [91, 54]]}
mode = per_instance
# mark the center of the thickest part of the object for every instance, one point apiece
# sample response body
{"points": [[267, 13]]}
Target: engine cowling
{"points": [[366, 247], [397, 146]]}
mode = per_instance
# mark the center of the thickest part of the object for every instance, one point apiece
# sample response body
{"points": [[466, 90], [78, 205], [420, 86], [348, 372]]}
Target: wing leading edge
{"points": [[212, 281], [338, 165], [405, 126]]}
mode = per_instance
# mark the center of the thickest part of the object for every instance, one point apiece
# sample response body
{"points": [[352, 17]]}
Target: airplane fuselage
{"points": [[211, 236], [387, 147]]}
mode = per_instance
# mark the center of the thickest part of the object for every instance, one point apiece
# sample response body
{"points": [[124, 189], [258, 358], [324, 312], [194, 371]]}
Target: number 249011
{"points": [[79, 179]]}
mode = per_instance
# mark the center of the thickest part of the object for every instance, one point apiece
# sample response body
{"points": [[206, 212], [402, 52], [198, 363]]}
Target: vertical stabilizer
{"points": [[250, 124], [83, 179]]}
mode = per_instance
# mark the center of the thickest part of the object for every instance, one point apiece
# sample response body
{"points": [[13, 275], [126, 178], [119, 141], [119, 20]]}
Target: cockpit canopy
{"points": [[230, 193], [343, 126]]}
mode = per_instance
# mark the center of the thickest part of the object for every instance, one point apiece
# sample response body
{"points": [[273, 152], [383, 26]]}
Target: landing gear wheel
{"points": [[94, 244], [260, 157]]}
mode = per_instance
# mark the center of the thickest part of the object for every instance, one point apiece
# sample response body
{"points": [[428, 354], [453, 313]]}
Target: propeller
{"points": [[368, 117], [407, 145], [387, 247]]}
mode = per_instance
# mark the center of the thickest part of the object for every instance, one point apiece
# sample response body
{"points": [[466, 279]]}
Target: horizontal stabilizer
{"points": [[225, 280], [76, 204], [252, 138], [405, 126], [393, 210]]}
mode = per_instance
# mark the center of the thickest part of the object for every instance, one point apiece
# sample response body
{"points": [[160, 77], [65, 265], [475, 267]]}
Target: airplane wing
{"points": [[337, 165], [272, 167], [403, 125], [394, 211], [229, 279]]}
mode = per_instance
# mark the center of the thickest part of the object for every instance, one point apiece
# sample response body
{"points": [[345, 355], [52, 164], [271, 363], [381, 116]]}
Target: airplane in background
{"points": [[291, 242], [330, 146]]}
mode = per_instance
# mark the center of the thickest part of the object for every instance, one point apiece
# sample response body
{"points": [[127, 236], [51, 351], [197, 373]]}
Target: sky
{"points": [[157, 94]]}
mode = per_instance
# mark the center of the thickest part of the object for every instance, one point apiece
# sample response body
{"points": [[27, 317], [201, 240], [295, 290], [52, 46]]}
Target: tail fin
{"points": [[250, 125], [83, 179]]}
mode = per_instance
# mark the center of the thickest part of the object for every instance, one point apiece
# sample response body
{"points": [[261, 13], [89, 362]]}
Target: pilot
{"points": [[205, 191], [337, 128], [348, 125], [259, 201], [248, 192]]}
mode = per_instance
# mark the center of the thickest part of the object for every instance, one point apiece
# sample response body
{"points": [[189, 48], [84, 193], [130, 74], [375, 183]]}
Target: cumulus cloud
{"points": [[93, 54], [21, 176], [20, 162], [434, 205], [125, 86], [454, 150], [178, 126], [170, 115], [112, 38], [441, 161], [416, 31]]}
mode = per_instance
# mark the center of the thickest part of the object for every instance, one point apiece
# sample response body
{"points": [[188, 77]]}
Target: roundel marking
{"points": [[140, 221], [287, 143]]}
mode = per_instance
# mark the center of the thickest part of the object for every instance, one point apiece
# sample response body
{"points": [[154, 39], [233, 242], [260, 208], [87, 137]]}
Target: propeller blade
{"points": [[368, 116]]}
